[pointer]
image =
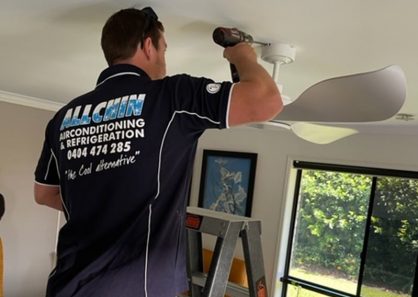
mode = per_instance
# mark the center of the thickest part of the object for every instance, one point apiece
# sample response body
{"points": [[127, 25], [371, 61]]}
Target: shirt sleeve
{"points": [[207, 101], [46, 171]]}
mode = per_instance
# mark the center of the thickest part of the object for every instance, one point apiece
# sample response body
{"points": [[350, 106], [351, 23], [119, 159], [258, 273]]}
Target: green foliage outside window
{"points": [[332, 215], [331, 222], [393, 242]]}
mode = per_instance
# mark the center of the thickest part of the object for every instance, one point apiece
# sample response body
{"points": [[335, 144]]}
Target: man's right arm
{"points": [[256, 97]]}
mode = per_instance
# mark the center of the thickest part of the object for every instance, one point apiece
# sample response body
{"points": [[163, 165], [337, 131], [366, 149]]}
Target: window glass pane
{"points": [[393, 239], [330, 227]]}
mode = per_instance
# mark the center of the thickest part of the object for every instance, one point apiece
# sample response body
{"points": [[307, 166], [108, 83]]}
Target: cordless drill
{"points": [[229, 37]]}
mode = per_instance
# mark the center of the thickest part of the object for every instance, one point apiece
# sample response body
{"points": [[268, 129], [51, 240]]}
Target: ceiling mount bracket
{"points": [[278, 54]]}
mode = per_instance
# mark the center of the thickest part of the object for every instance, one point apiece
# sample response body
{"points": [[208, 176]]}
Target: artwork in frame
{"points": [[227, 181]]}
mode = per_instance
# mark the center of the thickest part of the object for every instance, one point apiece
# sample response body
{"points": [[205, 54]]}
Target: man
{"points": [[118, 161]]}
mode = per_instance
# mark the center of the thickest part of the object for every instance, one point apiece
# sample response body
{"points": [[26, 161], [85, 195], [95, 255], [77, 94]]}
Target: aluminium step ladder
{"points": [[227, 228]]}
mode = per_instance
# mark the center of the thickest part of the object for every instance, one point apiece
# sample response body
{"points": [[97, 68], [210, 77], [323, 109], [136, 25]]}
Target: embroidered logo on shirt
{"points": [[213, 88]]}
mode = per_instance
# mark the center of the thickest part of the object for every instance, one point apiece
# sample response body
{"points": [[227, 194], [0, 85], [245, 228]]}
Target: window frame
{"points": [[374, 173]]}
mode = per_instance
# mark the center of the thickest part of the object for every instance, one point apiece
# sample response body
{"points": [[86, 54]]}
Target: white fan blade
{"points": [[364, 97], [320, 134]]}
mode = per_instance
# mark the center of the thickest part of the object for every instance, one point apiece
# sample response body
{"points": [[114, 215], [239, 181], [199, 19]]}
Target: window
{"points": [[354, 232]]}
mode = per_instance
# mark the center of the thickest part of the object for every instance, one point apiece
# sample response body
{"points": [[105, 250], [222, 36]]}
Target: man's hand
{"points": [[242, 52]]}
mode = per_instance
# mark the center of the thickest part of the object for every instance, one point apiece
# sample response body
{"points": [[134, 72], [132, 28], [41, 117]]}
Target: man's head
{"points": [[129, 30]]}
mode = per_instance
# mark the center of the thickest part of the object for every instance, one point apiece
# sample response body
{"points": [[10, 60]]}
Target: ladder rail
{"points": [[222, 261], [253, 255]]}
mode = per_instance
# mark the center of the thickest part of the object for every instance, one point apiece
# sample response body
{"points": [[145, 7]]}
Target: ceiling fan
{"points": [[363, 97]]}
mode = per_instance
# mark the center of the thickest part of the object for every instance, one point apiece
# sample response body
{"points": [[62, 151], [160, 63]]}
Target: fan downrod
{"points": [[278, 54]]}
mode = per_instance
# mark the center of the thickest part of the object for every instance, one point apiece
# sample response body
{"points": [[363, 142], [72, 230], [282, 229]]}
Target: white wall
{"points": [[28, 230], [275, 151]]}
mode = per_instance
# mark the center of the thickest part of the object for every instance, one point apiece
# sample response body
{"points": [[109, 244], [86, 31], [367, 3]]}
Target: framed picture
{"points": [[227, 181]]}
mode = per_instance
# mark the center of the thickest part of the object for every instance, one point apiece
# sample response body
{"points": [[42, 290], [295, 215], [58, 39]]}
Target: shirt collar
{"points": [[120, 70]]}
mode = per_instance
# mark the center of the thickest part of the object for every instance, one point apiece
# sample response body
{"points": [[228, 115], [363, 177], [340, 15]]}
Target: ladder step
{"points": [[232, 289]]}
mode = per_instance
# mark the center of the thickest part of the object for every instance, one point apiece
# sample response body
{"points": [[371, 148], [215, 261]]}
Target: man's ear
{"points": [[148, 48]]}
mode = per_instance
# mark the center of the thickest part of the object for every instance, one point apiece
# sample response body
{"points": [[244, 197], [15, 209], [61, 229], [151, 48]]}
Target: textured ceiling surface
{"points": [[50, 50]]}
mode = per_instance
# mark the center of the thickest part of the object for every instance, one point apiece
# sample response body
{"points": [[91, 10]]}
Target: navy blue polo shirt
{"points": [[122, 156]]}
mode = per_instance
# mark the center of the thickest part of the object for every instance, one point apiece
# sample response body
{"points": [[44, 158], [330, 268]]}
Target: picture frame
{"points": [[227, 181]]}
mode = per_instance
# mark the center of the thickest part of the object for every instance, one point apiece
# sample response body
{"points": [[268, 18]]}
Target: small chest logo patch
{"points": [[213, 88]]}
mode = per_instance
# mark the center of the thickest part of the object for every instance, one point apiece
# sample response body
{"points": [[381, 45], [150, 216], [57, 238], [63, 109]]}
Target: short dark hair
{"points": [[128, 28]]}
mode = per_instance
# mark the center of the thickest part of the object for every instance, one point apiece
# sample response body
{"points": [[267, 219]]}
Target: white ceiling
{"points": [[50, 50]]}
